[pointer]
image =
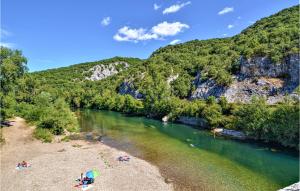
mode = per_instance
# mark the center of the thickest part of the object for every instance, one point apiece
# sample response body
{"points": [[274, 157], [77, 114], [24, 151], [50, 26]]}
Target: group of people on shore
{"points": [[23, 164], [84, 180]]}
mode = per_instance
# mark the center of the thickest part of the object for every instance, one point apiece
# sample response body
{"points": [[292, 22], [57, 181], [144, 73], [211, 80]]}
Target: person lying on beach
{"points": [[87, 180], [124, 158], [23, 164]]}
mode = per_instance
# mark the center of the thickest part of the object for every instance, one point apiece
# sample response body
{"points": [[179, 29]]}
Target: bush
{"points": [[43, 134], [48, 113], [53, 125], [278, 124], [284, 125], [253, 118]]}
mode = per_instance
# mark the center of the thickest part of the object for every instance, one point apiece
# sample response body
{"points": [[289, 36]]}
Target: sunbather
{"points": [[24, 164], [124, 158], [87, 180]]}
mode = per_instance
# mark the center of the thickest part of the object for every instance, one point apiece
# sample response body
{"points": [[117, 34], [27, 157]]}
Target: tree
{"points": [[12, 67], [284, 125], [253, 118]]}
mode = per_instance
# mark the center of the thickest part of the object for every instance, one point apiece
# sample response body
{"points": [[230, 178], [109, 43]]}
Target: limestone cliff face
{"points": [[206, 88], [103, 71], [264, 67], [258, 77]]}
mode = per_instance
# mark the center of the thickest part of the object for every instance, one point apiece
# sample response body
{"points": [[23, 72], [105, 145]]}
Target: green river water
{"points": [[193, 159]]}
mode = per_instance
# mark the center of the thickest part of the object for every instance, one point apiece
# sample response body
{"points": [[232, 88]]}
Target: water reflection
{"points": [[236, 166]]}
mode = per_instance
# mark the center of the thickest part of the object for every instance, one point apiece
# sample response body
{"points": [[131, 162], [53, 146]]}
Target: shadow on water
{"points": [[194, 158]]}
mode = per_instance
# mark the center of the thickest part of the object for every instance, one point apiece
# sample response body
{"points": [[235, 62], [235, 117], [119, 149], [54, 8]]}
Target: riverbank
{"points": [[55, 166]]}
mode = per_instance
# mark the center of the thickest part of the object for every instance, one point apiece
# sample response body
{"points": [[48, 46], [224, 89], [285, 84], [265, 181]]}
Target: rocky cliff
{"points": [[103, 71], [258, 76]]}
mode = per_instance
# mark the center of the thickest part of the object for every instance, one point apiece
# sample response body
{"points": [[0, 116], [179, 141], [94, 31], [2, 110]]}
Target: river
{"points": [[193, 159]]}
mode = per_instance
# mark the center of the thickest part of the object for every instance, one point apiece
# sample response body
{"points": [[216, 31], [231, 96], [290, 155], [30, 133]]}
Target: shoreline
{"points": [[247, 139], [55, 166]]}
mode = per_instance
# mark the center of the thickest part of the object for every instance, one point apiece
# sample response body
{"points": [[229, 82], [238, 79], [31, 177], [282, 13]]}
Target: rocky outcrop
{"points": [[293, 69], [243, 90], [127, 87], [293, 187], [206, 88], [261, 66], [264, 67], [258, 77], [103, 71], [193, 121], [165, 119], [229, 133]]}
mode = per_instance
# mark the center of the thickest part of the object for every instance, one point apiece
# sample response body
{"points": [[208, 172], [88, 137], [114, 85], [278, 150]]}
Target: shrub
{"points": [[253, 118], [43, 134], [53, 125]]}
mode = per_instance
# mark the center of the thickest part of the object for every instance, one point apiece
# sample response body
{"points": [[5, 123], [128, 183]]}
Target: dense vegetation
{"points": [[20, 96], [40, 96], [275, 36]]}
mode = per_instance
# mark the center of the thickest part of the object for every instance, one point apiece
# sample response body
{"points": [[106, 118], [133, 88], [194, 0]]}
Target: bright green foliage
{"points": [[284, 125], [275, 36], [43, 134], [181, 87], [213, 114], [12, 67], [253, 118], [20, 96], [272, 124], [49, 113]]}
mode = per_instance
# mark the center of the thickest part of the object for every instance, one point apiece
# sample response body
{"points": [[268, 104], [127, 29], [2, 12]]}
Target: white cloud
{"points": [[230, 26], [156, 7], [105, 21], [224, 34], [7, 44], [176, 7], [226, 10], [169, 29], [174, 41], [239, 17], [127, 34], [158, 31]]}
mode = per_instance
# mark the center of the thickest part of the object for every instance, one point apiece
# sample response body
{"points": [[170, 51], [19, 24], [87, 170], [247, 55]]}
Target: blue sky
{"points": [[55, 33]]}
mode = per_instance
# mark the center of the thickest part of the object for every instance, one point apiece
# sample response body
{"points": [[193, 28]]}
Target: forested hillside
{"points": [[166, 81], [276, 37]]}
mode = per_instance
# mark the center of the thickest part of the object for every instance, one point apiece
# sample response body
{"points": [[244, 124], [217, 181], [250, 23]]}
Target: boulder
{"points": [[229, 133], [194, 121]]}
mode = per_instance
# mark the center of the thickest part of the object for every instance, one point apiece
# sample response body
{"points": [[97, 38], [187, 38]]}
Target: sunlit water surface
{"points": [[194, 159]]}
